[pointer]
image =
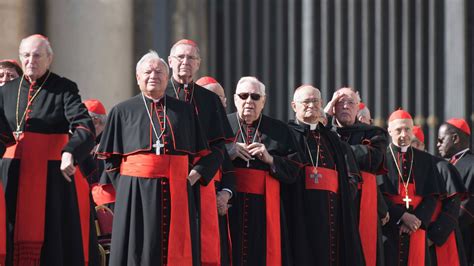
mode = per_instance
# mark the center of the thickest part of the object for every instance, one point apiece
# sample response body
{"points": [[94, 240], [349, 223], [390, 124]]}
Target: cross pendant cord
{"points": [[158, 137], [244, 137], [405, 185]]}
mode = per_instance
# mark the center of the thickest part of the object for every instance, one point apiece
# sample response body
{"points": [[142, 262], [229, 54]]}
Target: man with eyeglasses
{"points": [[453, 145], [184, 60], [48, 209], [264, 154], [368, 144], [320, 205]]}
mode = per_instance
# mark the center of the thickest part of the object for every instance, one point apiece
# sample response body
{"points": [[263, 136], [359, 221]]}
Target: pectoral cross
{"points": [[17, 134], [407, 201], [315, 176], [158, 147]]}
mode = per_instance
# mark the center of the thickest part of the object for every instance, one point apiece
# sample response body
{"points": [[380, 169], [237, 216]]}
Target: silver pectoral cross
{"points": [[315, 176], [158, 145], [17, 134], [407, 201]]}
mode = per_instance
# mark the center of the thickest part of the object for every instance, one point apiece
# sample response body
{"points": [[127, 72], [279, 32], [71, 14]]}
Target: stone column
{"points": [[93, 46]]}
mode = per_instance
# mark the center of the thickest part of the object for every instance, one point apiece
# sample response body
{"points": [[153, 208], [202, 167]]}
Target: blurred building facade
{"points": [[414, 54]]}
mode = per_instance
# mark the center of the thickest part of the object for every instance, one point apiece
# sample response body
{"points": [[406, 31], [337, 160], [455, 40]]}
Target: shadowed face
{"points": [[184, 61], [152, 78], [346, 108], [400, 131], [445, 143], [34, 57], [307, 104], [246, 102], [7, 74]]}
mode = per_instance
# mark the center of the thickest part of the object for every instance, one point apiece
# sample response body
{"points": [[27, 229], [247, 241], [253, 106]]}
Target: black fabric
{"points": [[426, 179], [247, 215], [322, 224], [212, 117], [142, 208], [6, 136], [465, 167], [57, 109]]}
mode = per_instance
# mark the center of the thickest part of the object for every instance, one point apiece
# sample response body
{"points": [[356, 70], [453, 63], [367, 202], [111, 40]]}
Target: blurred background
{"points": [[414, 54]]}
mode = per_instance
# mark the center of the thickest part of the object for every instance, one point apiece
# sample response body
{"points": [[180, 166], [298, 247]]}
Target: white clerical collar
{"points": [[457, 155], [155, 100], [311, 126], [402, 148]]}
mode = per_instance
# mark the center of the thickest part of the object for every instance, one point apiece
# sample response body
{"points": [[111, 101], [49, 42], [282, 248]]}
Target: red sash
{"points": [[103, 193], [3, 227], [83, 202], [261, 183], [210, 235], [321, 179], [416, 254], [175, 168], [34, 151], [446, 254], [368, 218]]}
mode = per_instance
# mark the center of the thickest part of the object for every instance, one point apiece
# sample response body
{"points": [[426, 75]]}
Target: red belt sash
{"points": [[175, 168], [210, 235], [416, 254], [103, 193], [34, 150], [446, 254], [83, 202], [321, 178], [261, 183], [3, 227], [368, 218]]}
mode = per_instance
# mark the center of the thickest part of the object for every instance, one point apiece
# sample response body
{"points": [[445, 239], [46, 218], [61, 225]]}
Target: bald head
{"points": [[217, 89]]}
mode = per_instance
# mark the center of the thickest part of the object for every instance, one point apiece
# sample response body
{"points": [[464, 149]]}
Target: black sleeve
{"points": [[382, 207], [441, 228], [370, 154], [228, 176], [208, 165], [83, 132], [425, 210], [466, 217], [395, 211], [286, 169], [6, 136], [90, 170], [112, 169]]}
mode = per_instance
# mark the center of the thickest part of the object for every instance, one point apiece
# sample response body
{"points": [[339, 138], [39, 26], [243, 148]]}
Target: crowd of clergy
{"points": [[189, 184]]}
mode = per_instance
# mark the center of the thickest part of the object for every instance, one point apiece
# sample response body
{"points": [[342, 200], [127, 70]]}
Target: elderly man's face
{"points": [[152, 78], [7, 74], [446, 142], [307, 105], [400, 131], [184, 61], [346, 108], [246, 102], [35, 59], [217, 89]]}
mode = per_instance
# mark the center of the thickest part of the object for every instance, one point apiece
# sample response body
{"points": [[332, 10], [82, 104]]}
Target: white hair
{"points": [[43, 40], [152, 55], [296, 93], [254, 81]]}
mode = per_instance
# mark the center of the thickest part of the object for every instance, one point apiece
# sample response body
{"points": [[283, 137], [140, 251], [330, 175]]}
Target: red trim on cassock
{"points": [[327, 181], [175, 168], [34, 151], [261, 183], [418, 238], [210, 235], [83, 202], [446, 254], [368, 218]]}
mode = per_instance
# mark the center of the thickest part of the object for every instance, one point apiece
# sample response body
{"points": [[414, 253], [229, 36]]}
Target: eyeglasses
{"points": [[181, 57], [253, 96], [306, 102]]}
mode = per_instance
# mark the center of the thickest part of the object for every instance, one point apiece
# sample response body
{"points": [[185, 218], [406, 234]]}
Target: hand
{"points": [[405, 229], [193, 177], [260, 151], [240, 150], [385, 219], [329, 109], [222, 199], [411, 221], [67, 165]]}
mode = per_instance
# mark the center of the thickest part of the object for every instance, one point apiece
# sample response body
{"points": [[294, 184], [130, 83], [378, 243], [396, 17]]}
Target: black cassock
{"points": [[213, 120], [142, 214], [6, 136], [56, 110], [424, 186], [248, 214], [369, 144], [465, 167], [322, 222], [444, 229]]}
